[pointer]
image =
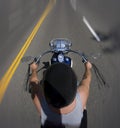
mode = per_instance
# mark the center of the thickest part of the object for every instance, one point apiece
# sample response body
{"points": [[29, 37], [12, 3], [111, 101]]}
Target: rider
{"points": [[58, 100]]}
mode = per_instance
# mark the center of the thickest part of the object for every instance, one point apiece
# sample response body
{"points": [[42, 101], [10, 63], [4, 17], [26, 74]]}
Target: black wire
{"points": [[28, 74], [27, 80], [100, 78]]}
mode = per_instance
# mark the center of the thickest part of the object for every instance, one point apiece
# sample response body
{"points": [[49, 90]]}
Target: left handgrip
{"points": [[37, 60]]}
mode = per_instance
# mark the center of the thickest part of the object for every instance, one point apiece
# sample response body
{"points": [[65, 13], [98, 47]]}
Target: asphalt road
{"points": [[65, 21]]}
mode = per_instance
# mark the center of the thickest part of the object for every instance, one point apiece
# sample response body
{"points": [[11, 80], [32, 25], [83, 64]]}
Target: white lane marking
{"points": [[91, 29]]}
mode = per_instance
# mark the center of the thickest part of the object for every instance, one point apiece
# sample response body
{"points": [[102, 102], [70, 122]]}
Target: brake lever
{"points": [[84, 58]]}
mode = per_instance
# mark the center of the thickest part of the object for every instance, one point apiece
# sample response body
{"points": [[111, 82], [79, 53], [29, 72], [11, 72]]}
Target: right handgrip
{"points": [[84, 59]]}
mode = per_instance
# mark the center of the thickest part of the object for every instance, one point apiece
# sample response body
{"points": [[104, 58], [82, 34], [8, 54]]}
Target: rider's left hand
{"points": [[34, 66]]}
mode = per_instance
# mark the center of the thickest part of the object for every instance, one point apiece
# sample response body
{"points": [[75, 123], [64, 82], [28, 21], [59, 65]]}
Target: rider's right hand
{"points": [[88, 65]]}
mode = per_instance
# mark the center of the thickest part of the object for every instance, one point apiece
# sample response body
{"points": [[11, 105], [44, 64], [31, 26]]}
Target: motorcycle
{"points": [[60, 47]]}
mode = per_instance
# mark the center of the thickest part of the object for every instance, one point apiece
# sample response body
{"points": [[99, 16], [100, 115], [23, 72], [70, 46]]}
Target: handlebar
{"points": [[59, 45], [56, 46], [81, 54]]}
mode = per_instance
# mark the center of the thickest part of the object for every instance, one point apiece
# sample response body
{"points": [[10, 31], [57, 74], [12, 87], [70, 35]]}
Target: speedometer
{"points": [[60, 58]]}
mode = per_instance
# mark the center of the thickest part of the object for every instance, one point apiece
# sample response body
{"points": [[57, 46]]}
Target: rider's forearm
{"points": [[34, 87], [34, 76], [84, 87], [86, 78]]}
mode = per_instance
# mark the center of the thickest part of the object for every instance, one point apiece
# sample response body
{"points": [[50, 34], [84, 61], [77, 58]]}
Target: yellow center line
{"points": [[10, 72]]}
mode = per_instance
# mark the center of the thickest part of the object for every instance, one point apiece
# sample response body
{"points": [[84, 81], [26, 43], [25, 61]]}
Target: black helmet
{"points": [[60, 85]]}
